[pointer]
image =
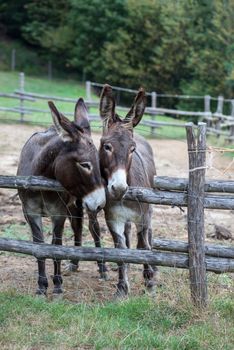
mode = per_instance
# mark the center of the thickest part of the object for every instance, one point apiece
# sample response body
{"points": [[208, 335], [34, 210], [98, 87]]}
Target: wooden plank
{"points": [[135, 256], [54, 98], [36, 183], [140, 194], [181, 184], [148, 195], [157, 124], [216, 131], [220, 251], [195, 213], [174, 111], [14, 96]]}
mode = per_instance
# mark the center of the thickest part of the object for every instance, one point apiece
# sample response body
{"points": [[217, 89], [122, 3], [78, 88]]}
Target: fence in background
{"points": [[218, 123], [193, 193]]}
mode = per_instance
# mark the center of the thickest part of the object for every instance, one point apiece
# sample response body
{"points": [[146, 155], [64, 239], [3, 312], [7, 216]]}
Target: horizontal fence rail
{"points": [[219, 124], [146, 195], [169, 259], [220, 251], [181, 184]]}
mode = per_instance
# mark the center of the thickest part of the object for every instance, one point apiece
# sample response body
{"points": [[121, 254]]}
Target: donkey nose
{"points": [[99, 208], [118, 191]]}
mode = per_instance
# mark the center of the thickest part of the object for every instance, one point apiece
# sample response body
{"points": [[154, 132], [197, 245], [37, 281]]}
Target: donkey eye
{"points": [[86, 166], [107, 147]]}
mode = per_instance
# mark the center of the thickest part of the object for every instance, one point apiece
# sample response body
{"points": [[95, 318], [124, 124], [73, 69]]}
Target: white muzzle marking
{"points": [[117, 184], [95, 200]]}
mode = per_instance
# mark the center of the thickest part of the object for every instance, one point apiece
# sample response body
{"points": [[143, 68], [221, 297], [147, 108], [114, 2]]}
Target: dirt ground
{"points": [[20, 272]]}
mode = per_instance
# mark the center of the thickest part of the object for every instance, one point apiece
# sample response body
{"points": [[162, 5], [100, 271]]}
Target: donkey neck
{"points": [[44, 163]]}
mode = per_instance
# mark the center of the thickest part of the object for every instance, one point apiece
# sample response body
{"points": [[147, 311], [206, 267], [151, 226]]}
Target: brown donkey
{"points": [[64, 152], [126, 160]]}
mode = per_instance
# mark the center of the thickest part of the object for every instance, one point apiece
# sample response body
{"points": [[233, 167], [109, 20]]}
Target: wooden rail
{"points": [[140, 194], [216, 121], [134, 256]]}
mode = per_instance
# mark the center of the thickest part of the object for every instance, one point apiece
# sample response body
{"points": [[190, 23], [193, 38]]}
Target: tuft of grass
{"points": [[15, 231]]}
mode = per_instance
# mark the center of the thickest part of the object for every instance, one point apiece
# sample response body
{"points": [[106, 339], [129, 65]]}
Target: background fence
{"points": [[192, 193], [218, 123]]}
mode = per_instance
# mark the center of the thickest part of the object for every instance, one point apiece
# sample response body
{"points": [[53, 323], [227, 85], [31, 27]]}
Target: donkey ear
{"points": [[107, 105], [137, 110], [81, 116], [61, 123]]}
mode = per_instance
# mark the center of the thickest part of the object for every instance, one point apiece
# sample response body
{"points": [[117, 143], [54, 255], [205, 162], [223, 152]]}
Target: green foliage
{"points": [[12, 17], [47, 21], [210, 60], [94, 23], [167, 46], [145, 51]]}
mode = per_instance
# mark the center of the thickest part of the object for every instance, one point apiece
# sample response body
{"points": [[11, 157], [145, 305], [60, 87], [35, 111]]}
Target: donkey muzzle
{"points": [[95, 200]]}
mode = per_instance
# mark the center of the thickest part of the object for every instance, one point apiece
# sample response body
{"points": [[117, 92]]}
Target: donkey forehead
{"points": [[84, 146], [118, 136]]}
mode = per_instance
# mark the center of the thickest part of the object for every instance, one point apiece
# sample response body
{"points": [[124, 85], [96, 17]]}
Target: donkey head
{"points": [[76, 165], [117, 143]]}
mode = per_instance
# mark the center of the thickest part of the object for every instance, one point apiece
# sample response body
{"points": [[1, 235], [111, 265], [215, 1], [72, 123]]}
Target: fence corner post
{"points": [[196, 234], [21, 87]]}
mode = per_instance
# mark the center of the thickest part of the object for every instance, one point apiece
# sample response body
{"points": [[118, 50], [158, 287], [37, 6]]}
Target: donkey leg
{"points": [[75, 216], [58, 225], [143, 243], [127, 233], [35, 224], [94, 228], [117, 231]]}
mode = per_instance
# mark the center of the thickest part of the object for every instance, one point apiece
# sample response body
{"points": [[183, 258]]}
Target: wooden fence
{"points": [[194, 192], [218, 123]]}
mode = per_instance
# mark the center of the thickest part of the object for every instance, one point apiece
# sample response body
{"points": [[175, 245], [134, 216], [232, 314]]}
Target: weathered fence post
{"points": [[21, 87], [231, 135], [207, 110], [13, 59], [154, 106], [196, 236], [218, 114], [88, 90], [153, 99]]}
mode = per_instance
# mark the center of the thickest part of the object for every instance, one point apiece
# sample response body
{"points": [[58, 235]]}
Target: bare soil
{"points": [[20, 272]]}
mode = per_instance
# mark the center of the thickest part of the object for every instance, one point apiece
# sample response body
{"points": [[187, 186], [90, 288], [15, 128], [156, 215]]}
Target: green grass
{"points": [[56, 87], [64, 88], [138, 323]]}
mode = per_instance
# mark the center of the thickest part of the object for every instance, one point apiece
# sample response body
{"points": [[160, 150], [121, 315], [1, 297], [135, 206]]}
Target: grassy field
{"points": [[137, 323], [167, 320], [64, 88]]}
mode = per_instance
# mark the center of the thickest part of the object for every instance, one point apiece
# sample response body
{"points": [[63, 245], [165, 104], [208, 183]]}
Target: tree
{"points": [[12, 16], [150, 49], [93, 23], [210, 32]]}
